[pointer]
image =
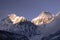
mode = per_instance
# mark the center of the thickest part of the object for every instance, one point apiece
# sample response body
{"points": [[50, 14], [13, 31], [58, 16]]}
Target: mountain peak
{"points": [[15, 19], [44, 17]]}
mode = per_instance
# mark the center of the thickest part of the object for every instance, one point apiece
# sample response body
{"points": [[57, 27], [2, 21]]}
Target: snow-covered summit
{"points": [[44, 17], [15, 19]]}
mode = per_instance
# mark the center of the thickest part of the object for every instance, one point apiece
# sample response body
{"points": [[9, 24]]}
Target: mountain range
{"points": [[46, 26]]}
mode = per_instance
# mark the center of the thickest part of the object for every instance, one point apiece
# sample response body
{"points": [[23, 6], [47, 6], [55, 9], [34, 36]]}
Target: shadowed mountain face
{"points": [[27, 28]]}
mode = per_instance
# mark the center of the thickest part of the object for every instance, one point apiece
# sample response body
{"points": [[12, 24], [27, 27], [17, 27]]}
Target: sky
{"points": [[28, 8]]}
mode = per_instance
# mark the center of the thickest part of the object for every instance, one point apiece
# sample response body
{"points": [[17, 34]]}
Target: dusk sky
{"points": [[28, 8]]}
